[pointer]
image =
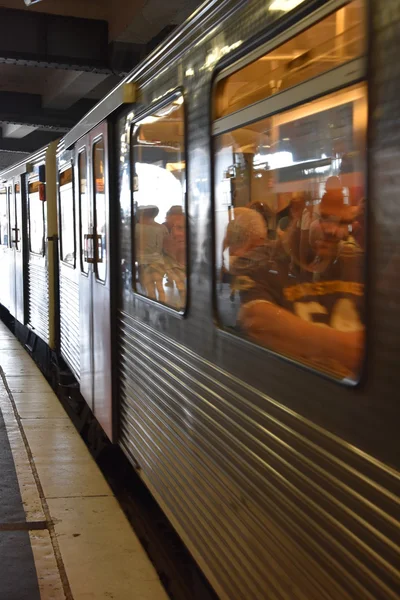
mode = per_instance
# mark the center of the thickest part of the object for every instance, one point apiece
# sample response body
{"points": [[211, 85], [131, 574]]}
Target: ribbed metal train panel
{"points": [[38, 298], [267, 497], [69, 324]]}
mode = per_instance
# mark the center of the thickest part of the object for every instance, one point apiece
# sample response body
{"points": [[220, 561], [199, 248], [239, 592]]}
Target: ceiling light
{"points": [[285, 5], [29, 2]]}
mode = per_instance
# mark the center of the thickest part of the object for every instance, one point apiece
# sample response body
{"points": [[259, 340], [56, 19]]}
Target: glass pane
{"points": [[159, 205], [333, 41], [67, 214], [100, 241], [18, 201], [84, 208], [4, 223], [12, 217], [290, 231], [36, 219]]}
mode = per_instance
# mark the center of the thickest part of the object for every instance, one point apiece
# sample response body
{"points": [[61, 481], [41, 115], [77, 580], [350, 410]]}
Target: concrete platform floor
{"points": [[63, 535]]}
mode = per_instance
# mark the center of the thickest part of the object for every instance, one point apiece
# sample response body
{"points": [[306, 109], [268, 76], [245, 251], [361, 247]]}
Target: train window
{"points": [[4, 218], [11, 208], [18, 224], [67, 217], [289, 201], [84, 208], [159, 184], [331, 42], [100, 210], [36, 219]]}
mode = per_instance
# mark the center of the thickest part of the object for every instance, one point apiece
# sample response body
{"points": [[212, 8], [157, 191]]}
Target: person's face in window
{"points": [[332, 231], [178, 230], [172, 220]]}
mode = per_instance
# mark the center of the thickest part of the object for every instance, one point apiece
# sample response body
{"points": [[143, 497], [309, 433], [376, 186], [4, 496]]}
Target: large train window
{"points": [[290, 196], [159, 190], [67, 217], [83, 206], [100, 209], [36, 218], [4, 218]]}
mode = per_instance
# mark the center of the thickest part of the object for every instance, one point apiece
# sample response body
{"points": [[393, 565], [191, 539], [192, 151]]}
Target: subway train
{"points": [[213, 254]]}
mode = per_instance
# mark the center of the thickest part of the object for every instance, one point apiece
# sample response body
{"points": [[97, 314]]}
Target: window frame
{"points": [[352, 72], [43, 252], [94, 141], [232, 64], [5, 188], [82, 150], [69, 165], [142, 114], [18, 244], [10, 198]]}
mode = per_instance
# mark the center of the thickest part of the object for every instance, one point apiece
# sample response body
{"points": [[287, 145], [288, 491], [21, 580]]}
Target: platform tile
{"points": [[102, 555]]}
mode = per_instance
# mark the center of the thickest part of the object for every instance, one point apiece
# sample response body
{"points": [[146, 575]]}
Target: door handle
{"points": [[88, 248], [16, 240]]}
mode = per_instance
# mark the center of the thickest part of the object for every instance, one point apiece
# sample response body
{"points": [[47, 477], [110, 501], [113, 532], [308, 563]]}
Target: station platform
{"points": [[63, 535]]}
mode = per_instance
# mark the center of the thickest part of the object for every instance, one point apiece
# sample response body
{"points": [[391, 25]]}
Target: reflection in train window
{"points": [[4, 220], [159, 185], [331, 42], [36, 219], [67, 218], [100, 240], [83, 208], [290, 247]]}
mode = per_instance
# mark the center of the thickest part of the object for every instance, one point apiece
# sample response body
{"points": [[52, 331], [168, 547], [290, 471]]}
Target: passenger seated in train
{"points": [[250, 254], [175, 251], [317, 319], [150, 237]]}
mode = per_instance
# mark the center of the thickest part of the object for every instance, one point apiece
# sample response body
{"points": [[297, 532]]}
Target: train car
{"points": [[230, 237], [29, 249], [12, 199], [272, 451], [85, 269]]}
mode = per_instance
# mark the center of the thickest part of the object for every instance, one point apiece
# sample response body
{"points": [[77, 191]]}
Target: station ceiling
{"points": [[60, 57]]}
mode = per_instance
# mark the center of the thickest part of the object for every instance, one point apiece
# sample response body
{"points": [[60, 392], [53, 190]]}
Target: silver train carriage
{"points": [[29, 244], [228, 223]]}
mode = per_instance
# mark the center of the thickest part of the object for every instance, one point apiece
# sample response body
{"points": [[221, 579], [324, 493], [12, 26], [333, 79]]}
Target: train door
{"points": [[94, 292], [38, 283], [17, 237], [4, 246], [68, 266], [11, 250], [85, 276]]}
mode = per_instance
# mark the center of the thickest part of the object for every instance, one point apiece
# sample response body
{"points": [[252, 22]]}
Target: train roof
{"points": [[210, 13]]}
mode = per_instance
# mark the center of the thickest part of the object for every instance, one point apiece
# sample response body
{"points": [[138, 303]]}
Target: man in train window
{"points": [[316, 318]]}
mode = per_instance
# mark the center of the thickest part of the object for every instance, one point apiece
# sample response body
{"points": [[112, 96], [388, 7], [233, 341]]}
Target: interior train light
{"points": [[29, 2], [285, 5]]}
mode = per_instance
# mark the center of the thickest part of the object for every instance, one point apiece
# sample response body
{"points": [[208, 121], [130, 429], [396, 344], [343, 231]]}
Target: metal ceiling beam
{"points": [[26, 109], [46, 40], [29, 144], [17, 131], [71, 87], [10, 158]]}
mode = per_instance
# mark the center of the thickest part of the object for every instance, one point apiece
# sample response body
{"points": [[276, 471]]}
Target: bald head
{"points": [[247, 230]]}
